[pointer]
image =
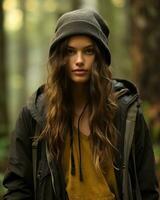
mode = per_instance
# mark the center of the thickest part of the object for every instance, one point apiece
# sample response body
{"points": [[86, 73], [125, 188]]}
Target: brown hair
{"points": [[102, 106]]}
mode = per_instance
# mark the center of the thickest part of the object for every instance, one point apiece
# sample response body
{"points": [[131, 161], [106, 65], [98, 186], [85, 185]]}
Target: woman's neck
{"points": [[80, 102]]}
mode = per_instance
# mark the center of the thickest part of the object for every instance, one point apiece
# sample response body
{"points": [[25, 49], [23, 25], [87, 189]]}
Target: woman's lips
{"points": [[79, 71]]}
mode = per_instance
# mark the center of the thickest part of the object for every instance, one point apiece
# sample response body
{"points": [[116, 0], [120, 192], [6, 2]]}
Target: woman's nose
{"points": [[79, 58]]}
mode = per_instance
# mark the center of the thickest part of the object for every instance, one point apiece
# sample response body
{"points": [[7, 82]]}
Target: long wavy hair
{"points": [[102, 106]]}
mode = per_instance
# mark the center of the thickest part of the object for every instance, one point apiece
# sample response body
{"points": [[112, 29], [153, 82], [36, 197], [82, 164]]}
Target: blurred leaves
{"points": [[3, 148]]}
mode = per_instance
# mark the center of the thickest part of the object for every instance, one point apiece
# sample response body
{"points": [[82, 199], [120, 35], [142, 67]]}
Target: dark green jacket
{"points": [[141, 182]]}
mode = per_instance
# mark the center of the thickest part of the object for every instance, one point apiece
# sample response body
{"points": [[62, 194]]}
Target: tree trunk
{"points": [[145, 32], [3, 85], [145, 49], [23, 57]]}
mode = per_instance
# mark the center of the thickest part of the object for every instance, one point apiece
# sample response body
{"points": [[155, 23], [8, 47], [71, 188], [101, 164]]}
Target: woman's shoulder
{"points": [[36, 104], [121, 84], [126, 91]]}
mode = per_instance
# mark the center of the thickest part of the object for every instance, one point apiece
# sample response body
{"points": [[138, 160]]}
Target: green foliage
{"points": [[3, 154], [151, 115], [157, 159], [145, 107], [3, 148], [2, 189]]}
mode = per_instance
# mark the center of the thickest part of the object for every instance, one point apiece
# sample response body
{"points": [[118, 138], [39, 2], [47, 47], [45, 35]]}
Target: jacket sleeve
{"points": [[145, 162], [18, 177]]}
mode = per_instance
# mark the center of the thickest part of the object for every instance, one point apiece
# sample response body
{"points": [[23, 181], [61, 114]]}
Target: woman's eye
{"points": [[90, 51], [70, 51]]}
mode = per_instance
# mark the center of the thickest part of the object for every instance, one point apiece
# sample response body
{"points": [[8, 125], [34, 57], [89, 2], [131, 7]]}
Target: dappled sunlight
{"points": [[119, 3], [14, 20]]}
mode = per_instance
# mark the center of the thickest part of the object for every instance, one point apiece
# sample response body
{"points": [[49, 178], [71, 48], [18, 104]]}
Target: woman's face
{"points": [[80, 58]]}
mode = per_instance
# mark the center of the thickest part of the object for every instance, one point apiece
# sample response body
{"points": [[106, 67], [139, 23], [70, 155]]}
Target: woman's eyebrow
{"points": [[70, 47], [89, 46]]}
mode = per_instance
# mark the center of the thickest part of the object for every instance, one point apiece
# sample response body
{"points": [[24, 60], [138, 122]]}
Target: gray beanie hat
{"points": [[85, 22]]}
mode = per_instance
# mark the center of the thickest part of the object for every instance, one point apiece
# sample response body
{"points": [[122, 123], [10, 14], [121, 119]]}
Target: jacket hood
{"points": [[36, 103], [121, 84]]}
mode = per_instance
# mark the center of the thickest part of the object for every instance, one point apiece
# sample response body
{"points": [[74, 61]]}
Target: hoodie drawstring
{"points": [[79, 147]]}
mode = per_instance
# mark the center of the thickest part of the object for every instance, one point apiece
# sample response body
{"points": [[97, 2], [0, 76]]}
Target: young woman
{"points": [[80, 117]]}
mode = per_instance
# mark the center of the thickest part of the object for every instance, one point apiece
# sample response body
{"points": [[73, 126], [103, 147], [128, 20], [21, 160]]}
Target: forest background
{"points": [[26, 30]]}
